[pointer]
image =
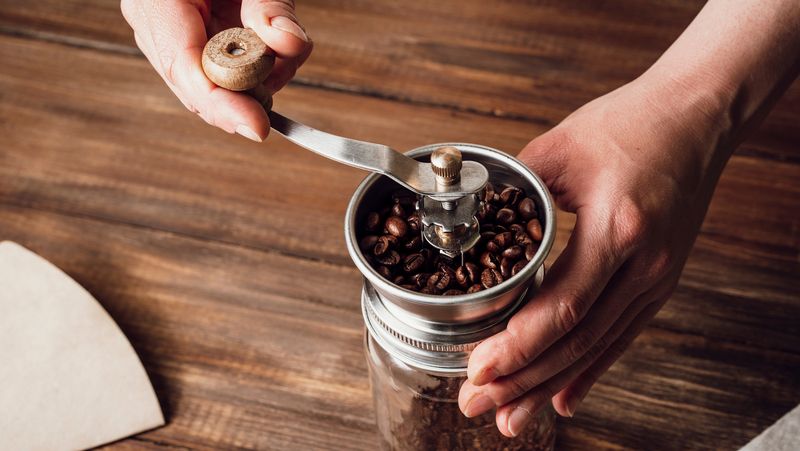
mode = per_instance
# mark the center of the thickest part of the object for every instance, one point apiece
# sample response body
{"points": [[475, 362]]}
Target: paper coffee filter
{"points": [[69, 379]]}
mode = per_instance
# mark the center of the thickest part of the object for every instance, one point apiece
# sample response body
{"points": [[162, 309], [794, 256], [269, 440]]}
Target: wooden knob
{"points": [[237, 59]]}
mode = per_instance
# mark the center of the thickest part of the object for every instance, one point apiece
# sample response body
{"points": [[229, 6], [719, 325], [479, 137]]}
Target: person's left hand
{"points": [[638, 167]]}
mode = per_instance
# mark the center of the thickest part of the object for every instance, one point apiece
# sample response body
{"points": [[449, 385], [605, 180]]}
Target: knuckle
{"points": [[630, 224], [520, 354], [570, 311], [578, 346], [513, 387]]}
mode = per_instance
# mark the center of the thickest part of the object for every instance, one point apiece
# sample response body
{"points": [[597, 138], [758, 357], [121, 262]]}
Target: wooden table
{"points": [[224, 262]]}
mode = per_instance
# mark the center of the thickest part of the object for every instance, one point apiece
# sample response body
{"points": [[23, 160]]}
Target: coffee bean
{"points": [[487, 213], [505, 267], [506, 216], [445, 268], [428, 290], [527, 209], [516, 228], [500, 228], [518, 267], [384, 244], [390, 258], [513, 252], [487, 227], [522, 238], [474, 288], [493, 247], [373, 222], [413, 244], [385, 272], [439, 281], [399, 280], [396, 226], [452, 292], [413, 262], [488, 193], [467, 274], [487, 236], [534, 229], [530, 251], [397, 210], [504, 239], [414, 222], [491, 277], [489, 260], [367, 243], [511, 196], [420, 279]]}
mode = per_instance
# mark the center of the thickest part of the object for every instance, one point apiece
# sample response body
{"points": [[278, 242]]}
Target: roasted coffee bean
{"points": [[488, 193], [511, 196], [396, 226], [399, 280], [413, 262], [503, 240], [414, 222], [493, 247], [516, 228], [452, 292], [506, 216], [445, 268], [487, 236], [367, 243], [534, 229], [420, 279], [373, 222], [397, 210], [522, 239], [412, 244], [489, 260], [474, 288], [530, 251], [513, 252], [428, 290], [491, 277], [487, 227], [385, 272], [384, 244], [505, 267], [487, 213], [527, 209], [467, 274], [390, 258], [500, 228], [518, 267], [439, 281]]}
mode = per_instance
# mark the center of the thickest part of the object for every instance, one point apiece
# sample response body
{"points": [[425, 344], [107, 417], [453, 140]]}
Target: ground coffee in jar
{"points": [[425, 311]]}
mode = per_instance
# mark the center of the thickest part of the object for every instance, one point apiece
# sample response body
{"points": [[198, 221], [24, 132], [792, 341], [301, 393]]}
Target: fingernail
{"points": [[518, 419], [485, 376], [248, 133], [288, 25], [479, 404], [572, 406]]}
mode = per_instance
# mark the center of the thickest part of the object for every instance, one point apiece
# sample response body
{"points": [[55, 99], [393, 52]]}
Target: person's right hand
{"points": [[172, 34]]}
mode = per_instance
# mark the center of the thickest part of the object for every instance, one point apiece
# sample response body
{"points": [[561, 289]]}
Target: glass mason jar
{"points": [[417, 409], [418, 345]]}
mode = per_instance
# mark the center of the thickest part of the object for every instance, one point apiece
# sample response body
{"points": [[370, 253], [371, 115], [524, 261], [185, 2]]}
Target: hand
{"points": [[638, 169], [172, 34]]}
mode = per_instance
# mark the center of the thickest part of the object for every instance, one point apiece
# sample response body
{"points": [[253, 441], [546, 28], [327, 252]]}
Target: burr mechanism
{"points": [[448, 187], [449, 225]]}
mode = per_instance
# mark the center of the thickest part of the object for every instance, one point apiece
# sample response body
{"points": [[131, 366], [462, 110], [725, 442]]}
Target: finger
{"points": [[177, 36], [148, 52], [567, 400], [545, 155], [577, 278], [475, 400], [275, 22], [588, 340], [284, 70], [512, 418]]}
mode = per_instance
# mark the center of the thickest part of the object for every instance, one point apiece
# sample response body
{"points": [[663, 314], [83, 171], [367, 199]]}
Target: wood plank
{"points": [[242, 356], [536, 61]]}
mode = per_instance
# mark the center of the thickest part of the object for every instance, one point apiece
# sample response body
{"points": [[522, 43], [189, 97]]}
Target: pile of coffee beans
{"points": [[391, 240]]}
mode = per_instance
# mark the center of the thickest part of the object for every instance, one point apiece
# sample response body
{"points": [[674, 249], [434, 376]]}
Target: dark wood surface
{"points": [[223, 260]]}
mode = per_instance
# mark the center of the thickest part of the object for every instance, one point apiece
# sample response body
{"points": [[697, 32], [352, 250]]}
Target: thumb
{"points": [[276, 24], [547, 156]]}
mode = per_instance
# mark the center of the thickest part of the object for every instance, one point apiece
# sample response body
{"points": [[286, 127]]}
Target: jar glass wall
{"points": [[418, 410]]}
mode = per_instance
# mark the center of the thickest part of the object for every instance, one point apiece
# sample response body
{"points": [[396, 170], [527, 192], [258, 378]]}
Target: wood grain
{"points": [[195, 240]]}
